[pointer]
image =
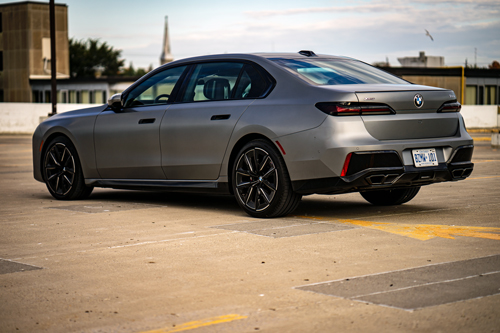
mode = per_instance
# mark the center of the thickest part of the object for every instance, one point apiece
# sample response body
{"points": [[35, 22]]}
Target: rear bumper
{"points": [[380, 178], [385, 172]]}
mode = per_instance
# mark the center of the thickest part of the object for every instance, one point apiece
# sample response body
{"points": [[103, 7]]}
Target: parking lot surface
{"points": [[130, 261]]}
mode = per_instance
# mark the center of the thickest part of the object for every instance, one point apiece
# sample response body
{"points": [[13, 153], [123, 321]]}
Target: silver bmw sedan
{"points": [[267, 128]]}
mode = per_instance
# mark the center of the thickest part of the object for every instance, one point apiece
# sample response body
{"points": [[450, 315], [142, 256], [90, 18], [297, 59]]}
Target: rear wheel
{"points": [[62, 171], [261, 182], [390, 197]]}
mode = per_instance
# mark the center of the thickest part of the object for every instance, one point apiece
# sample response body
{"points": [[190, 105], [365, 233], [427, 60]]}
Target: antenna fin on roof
{"points": [[307, 53]]}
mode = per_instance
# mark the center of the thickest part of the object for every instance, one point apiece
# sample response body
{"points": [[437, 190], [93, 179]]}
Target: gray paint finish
{"points": [[180, 142]]}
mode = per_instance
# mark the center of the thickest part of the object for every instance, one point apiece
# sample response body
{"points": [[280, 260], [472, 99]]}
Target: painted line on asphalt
{"points": [[426, 211], [422, 231], [484, 161], [199, 323], [488, 177], [482, 139]]}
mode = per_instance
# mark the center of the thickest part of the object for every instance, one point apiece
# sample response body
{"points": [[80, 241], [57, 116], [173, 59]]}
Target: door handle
{"points": [[220, 117], [147, 121]]}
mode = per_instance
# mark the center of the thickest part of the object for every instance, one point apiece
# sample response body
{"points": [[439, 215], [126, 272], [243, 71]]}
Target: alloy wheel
{"points": [[256, 179], [59, 169]]}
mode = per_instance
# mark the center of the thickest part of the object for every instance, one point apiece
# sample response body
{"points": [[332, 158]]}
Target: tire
{"points": [[261, 183], [62, 171], [390, 197]]}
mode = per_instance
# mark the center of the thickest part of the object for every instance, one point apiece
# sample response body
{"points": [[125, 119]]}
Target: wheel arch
{"points": [[45, 144]]}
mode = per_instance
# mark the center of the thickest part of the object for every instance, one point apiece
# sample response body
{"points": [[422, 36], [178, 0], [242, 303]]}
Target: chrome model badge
{"points": [[418, 100]]}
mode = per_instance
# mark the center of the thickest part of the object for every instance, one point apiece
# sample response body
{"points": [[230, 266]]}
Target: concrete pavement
{"points": [[126, 261]]}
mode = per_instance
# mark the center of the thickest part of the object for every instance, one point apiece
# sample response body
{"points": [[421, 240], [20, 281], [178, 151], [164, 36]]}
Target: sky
{"points": [[369, 30]]}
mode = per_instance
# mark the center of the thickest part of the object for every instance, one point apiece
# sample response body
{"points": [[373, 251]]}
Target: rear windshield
{"points": [[337, 71]]}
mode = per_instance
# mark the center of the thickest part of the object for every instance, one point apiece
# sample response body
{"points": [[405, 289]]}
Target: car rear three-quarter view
{"points": [[268, 128]]}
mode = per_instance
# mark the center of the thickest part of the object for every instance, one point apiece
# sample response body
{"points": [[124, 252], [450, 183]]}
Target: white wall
{"points": [[481, 116], [25, 117]]}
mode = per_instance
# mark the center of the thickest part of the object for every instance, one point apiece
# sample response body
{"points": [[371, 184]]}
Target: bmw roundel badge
{"points": [[418, 100]]}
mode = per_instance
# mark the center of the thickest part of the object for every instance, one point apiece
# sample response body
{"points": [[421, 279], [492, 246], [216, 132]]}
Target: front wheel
{"points": [[390, 197], [62, 171], [261, 182]]}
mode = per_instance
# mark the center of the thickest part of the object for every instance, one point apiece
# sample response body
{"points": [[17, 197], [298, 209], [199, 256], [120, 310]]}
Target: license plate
{"points": [[425, 157]]}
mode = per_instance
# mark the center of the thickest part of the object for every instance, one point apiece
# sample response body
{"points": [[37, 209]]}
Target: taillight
{"points": [[354, 109], [450, 107], [346, 165]]}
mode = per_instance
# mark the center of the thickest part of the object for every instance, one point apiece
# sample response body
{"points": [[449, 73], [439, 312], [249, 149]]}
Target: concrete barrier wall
{"points": [[481, 116], [23, 118]]}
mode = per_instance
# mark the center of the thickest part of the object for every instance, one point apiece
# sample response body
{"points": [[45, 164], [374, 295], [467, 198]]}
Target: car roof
{"points": [[257, 56]]}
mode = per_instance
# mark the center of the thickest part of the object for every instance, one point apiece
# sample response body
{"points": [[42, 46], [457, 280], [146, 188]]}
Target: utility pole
{"points": [[53, 69], [475, 57]]}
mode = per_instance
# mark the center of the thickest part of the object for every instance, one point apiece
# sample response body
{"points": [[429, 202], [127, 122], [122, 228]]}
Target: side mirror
{"points": [[115, 102]]}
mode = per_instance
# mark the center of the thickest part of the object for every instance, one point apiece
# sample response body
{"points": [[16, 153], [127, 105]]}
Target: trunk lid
{"points": [[412, 119]]}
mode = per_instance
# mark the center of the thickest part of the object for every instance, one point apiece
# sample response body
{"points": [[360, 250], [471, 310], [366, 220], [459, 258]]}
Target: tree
{"points": [[494, 65], [131, 71], [91, 56]]}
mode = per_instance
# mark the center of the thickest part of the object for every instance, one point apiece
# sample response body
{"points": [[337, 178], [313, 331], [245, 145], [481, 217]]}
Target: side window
{"points": [[251, 84], [212, 82], [155, 89]]}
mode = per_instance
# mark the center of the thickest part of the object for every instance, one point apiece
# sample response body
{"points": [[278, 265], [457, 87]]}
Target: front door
{"points": [[127, 143]]}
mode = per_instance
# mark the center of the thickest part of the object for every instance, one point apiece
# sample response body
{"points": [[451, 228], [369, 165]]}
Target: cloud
{"points": [[369, 8]]}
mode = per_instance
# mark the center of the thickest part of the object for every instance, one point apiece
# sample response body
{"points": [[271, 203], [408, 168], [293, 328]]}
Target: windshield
{"points": [[337, 71]]}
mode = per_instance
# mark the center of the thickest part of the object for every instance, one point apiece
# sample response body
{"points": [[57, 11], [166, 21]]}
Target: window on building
{"points": [[98, 97], [491, 94], [470, 95], [85, 98], [71, 96], [47, 97], [1, 29], [1, 96], [78, 97], [1, 61], [480, 95], [62, 96], [35, 96]]}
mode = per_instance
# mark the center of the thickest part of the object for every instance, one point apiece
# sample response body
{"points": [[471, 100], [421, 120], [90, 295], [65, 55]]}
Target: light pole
{"points": [[53, 69]]}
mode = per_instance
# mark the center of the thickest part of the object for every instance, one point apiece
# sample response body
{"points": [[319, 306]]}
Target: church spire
{"points": [[166, 56]]}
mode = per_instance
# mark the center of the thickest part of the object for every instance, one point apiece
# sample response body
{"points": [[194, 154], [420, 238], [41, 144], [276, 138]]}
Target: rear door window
{"points": [[225, 81]]}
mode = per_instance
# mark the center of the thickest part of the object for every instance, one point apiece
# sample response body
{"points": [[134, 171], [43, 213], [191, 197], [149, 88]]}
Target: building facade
{"points": [[25, 47], [422, 61], [472, 86]]}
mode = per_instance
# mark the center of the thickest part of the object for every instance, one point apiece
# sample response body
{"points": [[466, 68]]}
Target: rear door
{"points": [[195, 132]]}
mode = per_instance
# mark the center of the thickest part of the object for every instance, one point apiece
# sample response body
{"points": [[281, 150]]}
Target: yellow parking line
{"points": [[484, 161], [428, 231], [422, 231], [199, 323], [488, 177], [482, 139]]}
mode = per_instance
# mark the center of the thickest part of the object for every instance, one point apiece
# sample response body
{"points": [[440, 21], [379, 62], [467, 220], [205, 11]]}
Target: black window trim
{"points": [[180, 86], [183, 80]]}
